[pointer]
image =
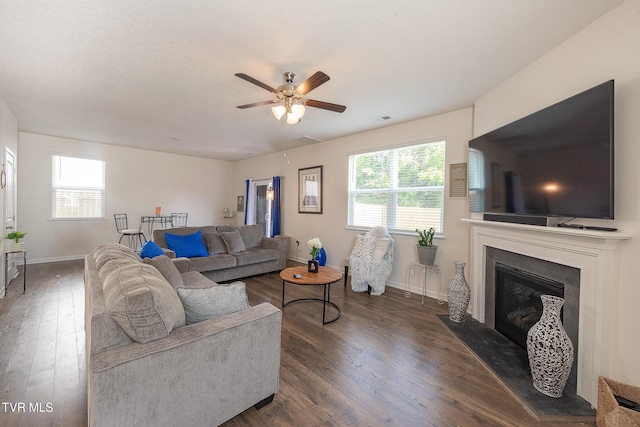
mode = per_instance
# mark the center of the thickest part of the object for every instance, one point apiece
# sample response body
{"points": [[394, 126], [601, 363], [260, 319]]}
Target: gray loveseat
{"points": [[227, 258], [146, 367]]}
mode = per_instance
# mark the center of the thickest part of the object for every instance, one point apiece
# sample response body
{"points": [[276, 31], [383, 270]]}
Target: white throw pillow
{"points": [[381, 248], [363, 247]]}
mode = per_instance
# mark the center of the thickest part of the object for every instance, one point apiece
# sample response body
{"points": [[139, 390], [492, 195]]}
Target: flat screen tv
{"points": [[555, 162]]}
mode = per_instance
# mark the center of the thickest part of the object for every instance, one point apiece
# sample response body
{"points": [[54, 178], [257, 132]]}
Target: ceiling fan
{"points": [[291, 98]]}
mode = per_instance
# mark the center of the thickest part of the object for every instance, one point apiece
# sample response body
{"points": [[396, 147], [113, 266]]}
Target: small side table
{"points": [[428, 268], [15, 255]]}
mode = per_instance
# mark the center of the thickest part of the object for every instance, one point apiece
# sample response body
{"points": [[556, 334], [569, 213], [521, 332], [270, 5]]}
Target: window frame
{"points": [[393, 195], [100, 190]]}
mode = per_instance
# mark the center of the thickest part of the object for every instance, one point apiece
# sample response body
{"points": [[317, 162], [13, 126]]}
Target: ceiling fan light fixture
{"points": [[279, 111], [291, 98], [297, 110], [292, 120]]}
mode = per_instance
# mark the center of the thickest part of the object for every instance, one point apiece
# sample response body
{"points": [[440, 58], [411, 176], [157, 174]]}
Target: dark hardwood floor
{"points": [[387, 361]]}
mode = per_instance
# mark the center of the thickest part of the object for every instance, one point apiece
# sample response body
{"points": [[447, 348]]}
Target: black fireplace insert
{"points": [[518, 304]]}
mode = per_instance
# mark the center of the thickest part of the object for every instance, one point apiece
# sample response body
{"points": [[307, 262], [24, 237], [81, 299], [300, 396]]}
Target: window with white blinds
{"points": [[77, 188], [400, 188], [476, 181]]}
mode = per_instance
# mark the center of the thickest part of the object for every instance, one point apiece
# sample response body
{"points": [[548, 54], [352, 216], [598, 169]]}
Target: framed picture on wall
{"points": [[240, 204], [310, 190]]}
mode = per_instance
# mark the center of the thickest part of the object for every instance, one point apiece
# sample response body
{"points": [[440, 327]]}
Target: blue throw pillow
{"points": [[150, 249], [188, 246]]}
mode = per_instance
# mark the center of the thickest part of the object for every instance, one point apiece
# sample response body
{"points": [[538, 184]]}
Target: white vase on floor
{"points": [[550, 349]]}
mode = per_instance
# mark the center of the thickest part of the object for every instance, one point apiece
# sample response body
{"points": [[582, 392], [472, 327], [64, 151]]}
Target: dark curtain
{"points": [[246, 200], [275, 211]]}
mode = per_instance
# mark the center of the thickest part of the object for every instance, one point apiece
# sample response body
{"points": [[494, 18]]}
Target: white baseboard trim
{"points": [[55, 259]]}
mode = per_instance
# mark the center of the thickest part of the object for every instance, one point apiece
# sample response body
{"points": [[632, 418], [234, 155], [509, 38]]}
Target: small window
{"points": [[77, 188], [476, 181], [400, 188]]}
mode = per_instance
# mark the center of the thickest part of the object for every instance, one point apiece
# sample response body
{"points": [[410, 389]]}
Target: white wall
{"points": [[605, 50], [330, 227], [8, 139], [136, 182]]}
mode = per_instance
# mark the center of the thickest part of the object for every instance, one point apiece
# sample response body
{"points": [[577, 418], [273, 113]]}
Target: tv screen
{"points": [[555, 162]]}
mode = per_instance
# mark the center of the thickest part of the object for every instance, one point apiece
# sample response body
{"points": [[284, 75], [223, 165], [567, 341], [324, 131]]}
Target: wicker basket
{"points": [[610, 413]]}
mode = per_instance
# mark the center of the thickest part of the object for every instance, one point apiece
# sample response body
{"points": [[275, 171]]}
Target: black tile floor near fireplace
{"points": [[518, 305]]}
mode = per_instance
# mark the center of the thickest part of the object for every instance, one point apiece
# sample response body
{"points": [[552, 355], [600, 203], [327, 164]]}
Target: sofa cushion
{"points": [[113, 258], [150, 249], [142, 302], [225, 228], [213, 262], [251, 235], [190, 245], [256, 255], [167, 268], [110, 251], [195, 279], [233, 241], [215, 243], [204, 303]]}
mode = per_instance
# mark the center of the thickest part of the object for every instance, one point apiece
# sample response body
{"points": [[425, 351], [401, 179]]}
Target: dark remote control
{"points": [[593, 227]]}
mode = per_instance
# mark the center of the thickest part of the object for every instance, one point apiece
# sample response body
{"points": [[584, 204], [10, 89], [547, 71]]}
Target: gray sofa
{"points": [[146, 367], [259, 254]]}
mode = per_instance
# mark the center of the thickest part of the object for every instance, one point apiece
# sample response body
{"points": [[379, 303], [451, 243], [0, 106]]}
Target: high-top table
{"points": [[324, 277], [151, 220]]}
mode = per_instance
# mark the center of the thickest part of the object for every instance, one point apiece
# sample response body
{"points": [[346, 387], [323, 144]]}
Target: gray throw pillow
{"points": [[215, 243], [251, 235], [141, 301], [206, 303], [167, 268], [233, 241]]}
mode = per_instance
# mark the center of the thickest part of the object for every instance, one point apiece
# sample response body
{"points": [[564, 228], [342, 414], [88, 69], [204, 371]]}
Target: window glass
{"points": [[77, 188], [400, 188]]}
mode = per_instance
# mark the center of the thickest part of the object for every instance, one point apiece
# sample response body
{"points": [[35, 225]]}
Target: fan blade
{"points": [[325, 105], [256, 82], [312, 82], [257, 104]]}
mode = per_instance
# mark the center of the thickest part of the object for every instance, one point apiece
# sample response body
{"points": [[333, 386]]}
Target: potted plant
{"points": [[426, 249], [15, 246]]}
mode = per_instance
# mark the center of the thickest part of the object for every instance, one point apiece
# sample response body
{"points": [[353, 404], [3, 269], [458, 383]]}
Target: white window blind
{"points": [[77, 188], [476, 181], [400, 188]]}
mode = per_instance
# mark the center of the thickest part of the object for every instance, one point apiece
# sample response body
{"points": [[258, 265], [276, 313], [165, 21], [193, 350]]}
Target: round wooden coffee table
{"points": [[324, 277]]}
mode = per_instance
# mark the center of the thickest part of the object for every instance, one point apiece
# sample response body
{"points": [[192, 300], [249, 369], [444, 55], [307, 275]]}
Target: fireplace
{"points": [[591, 255], [523, 279], [517, 301]]}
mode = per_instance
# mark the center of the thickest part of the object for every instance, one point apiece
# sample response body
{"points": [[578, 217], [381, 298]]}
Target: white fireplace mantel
{"points": [[592, 252]]}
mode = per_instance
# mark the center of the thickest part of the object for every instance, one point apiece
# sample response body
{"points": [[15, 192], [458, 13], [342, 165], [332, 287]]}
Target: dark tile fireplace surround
{"points": [[519, 277]]}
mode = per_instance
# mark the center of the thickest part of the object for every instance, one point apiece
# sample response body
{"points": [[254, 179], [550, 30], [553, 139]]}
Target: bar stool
{"points": [[132, 233]]}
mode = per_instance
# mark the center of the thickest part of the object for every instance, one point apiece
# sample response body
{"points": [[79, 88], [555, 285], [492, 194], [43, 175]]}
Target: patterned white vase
{"points": [[458, 294], [550, 349]]}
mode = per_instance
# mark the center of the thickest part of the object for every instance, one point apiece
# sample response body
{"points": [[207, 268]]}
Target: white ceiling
{"points": [[159, 74]]}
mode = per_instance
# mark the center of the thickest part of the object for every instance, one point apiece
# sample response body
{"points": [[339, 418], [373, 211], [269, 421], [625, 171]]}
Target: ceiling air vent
{"points": [[308, 139]]}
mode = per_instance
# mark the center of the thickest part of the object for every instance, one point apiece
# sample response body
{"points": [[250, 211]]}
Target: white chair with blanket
{"points": [[371, 261]]}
